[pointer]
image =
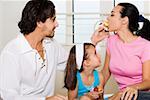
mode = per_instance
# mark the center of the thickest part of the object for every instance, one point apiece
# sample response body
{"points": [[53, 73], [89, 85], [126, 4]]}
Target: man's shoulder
{"points": [[11, 46]]}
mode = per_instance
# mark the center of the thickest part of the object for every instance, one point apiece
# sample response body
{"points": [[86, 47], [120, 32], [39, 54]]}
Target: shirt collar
{"points": [[25, 46]]}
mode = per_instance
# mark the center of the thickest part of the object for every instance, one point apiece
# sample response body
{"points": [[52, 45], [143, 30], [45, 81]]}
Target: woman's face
{"points": [[115, 20]]}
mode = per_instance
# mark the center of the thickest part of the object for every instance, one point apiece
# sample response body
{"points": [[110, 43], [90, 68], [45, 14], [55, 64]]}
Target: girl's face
{"points": [[115, 20], [93, 58]]}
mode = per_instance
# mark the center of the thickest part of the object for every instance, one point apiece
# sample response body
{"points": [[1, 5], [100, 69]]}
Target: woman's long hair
{"points": [[132, 13]]}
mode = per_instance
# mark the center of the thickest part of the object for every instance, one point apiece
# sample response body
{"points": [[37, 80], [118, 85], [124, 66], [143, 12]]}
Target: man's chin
{"points": [[51, 35]]}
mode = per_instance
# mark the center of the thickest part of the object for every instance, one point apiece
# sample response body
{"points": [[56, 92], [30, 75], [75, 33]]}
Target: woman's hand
{"points": [[129, 93], [99, 35]]}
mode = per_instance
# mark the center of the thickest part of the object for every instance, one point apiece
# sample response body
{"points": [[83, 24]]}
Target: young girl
{"points": [[81, 77]]}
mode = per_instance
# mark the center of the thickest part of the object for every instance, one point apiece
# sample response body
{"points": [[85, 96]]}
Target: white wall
{"points": [[10, 16], [0, 24]]}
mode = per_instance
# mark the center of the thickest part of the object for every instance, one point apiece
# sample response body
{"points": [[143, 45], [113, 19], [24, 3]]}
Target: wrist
{"points": [[94, 43], [135, 87]]}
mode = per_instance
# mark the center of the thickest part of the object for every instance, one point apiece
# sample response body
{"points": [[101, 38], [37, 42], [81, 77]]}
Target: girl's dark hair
{"points": [[71, 69], [132, 13], [35, 11]]}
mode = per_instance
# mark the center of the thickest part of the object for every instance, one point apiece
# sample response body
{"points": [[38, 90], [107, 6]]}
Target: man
{"points": [[28, 63]]}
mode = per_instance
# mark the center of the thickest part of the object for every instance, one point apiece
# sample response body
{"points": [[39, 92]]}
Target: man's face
{"points": [[49, 27]]}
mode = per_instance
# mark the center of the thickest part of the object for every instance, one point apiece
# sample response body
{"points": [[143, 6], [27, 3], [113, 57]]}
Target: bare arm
{"points": [[105, 71], [72, 94], [144, 85], [101, 85], [57, 97]]}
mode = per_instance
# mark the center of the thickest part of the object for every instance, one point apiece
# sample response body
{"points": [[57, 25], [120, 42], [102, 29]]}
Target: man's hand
{"points": [[57, 97]]}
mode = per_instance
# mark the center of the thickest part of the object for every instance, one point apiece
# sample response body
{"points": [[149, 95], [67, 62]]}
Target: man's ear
{"points": [[39, 24]]}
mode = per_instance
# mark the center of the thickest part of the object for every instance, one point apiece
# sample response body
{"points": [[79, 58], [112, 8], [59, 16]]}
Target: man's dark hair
{"points": [[35, 11]]}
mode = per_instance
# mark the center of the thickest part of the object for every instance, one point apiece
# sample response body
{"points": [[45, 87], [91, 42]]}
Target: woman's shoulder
{"points": [[112, 37], [143, 40]]}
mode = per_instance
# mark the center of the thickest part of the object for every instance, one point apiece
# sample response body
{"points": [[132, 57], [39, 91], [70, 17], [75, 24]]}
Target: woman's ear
{"points": [[125, 20]]}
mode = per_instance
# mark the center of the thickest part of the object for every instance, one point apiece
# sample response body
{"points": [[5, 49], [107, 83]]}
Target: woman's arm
{"points": [[101, 85], [144, 85], [105, 71]]}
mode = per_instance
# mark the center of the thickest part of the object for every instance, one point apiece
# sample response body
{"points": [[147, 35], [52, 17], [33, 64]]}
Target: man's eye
{"points": [[54, 19]]}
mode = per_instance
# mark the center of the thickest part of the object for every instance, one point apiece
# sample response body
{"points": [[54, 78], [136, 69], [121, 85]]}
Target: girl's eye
{"points": [[54, 19]]}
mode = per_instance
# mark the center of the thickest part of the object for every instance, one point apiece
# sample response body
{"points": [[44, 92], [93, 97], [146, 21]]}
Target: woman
{"points": [[128, 51]]}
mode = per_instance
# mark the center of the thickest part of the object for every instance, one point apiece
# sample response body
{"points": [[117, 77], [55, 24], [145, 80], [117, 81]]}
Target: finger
{"points": [[94, 94], [100, 29], [105, 34], [123, 95], [127, 95], [135, 96], [131, 96], [100, 92]]}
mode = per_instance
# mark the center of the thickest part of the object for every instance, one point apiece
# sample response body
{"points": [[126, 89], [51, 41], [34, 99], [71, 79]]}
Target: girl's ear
{"points": [[85, 63]]}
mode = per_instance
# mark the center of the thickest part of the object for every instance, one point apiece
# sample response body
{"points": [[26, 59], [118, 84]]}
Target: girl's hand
{"points": [[99, 35], [129, 93], [95, 95], [116, 96]]}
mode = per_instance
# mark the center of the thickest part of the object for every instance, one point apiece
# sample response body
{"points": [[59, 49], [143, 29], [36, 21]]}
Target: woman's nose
{"points": [[107, 18]]}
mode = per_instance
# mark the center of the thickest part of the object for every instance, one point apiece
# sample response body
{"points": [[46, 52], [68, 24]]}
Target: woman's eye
{"points": [[111, 15]]}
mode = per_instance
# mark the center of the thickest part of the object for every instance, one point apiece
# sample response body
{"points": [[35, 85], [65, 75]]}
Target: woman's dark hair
{"points": [[35, 11], [132, 13], [71, 69]]}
